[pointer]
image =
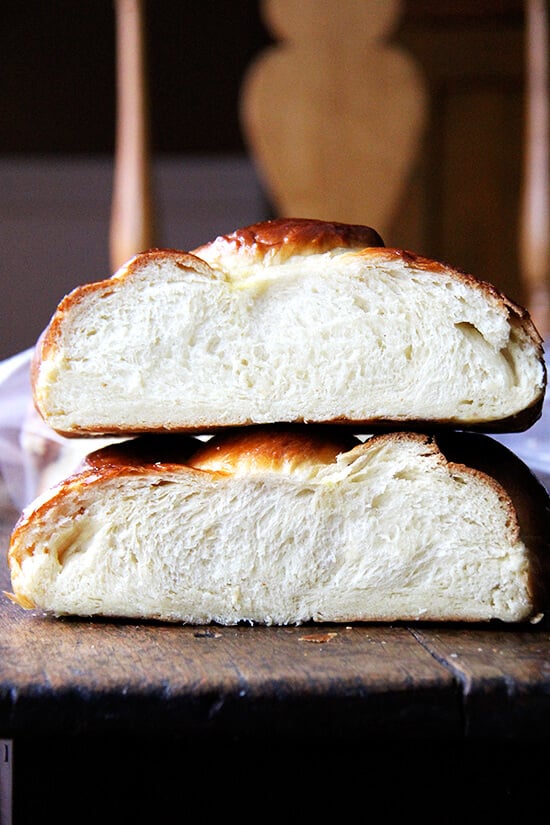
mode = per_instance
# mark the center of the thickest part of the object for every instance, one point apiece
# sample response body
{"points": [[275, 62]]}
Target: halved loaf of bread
{"points": [[288, 321], [290, 524]]}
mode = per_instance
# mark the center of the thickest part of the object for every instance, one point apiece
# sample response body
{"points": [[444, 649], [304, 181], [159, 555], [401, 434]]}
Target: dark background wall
{"points": [[58, 65]]}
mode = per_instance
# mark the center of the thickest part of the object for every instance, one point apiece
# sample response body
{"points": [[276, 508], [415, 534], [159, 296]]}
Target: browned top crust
{"points": [[255, 447], [280, 238], [145, 452], [261, 448]]}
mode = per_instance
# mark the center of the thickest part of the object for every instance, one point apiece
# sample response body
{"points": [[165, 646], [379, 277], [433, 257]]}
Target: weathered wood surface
{"points": [[358, 682]]}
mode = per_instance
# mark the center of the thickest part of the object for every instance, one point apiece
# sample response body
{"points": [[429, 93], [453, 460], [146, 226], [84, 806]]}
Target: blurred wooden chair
{"points": [[132, 213], [334, 112], [534, 245]]}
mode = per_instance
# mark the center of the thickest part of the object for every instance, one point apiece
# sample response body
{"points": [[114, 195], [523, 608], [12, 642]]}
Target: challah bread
{"points": [[288, 321], [290, 524]]}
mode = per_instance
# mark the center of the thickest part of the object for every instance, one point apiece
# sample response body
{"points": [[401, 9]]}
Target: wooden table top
{"points": [[334, 682]]}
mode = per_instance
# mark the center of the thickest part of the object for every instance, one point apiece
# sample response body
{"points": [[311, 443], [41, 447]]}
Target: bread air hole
{"points": [[477, 339], [507, 356], [470, 331]]}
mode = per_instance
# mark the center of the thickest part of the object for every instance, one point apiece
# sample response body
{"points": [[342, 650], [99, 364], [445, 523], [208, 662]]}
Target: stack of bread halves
{"points": [[303, 420]]}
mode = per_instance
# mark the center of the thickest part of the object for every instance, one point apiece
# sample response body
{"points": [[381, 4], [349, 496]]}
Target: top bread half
{"points": [[289, 320]]}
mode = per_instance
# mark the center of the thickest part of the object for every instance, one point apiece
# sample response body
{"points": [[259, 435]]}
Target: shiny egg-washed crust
{"points": [[245, 449], [274, 241], [292, 450]]}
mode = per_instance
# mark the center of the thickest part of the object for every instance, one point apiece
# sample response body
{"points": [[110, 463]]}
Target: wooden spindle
{"points": [[131, 228], [534, 241]]}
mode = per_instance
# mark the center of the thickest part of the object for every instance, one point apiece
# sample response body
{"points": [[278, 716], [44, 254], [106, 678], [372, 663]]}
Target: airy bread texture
{"points": [[288, 321], [285, 525]]}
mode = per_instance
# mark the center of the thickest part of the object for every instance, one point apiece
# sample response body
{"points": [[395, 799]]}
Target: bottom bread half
{"points": [[285, 525]]}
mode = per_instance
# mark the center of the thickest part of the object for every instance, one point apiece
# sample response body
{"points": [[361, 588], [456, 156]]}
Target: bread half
{"points": [[288, 321], [286, 525]]}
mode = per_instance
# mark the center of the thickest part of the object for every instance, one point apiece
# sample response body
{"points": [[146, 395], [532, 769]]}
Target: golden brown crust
{"points": [[145, 452], [272, 448], [276, 240]]}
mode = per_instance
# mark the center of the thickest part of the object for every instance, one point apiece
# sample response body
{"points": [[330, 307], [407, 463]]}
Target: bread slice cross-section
{"points": [[288, 321], [290, 524]]}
